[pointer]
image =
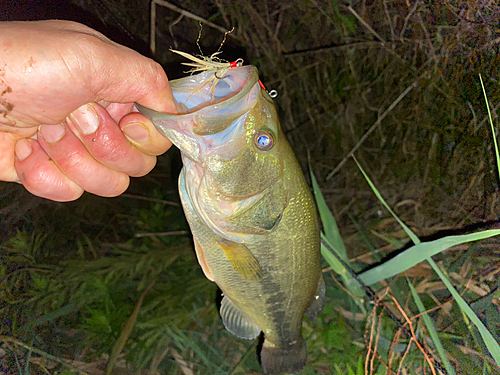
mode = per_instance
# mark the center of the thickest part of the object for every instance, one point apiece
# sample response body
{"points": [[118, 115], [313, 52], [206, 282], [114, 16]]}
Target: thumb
{"points": [[160, 98], [126, 77]]}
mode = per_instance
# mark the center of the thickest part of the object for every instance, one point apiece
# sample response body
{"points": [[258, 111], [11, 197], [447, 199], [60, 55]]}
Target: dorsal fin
{"points": [[236, 321]]}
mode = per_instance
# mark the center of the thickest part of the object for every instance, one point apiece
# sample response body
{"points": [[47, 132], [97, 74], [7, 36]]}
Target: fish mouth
{"points": [[208, 102]]}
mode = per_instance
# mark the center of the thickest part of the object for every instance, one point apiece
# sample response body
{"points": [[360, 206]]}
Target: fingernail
{"points": [[85, 119], [52, 133], [23, 149], [136, 132]]}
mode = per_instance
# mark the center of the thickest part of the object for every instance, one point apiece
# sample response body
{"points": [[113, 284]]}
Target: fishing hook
{"points": [[215, 74]]}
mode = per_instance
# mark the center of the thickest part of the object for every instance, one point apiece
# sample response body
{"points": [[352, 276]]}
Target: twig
{"points": [[373, 127], [353, 296], [428, 311], [152, 28], [372, 296], [426, 33], [469, 351], [182, 12], [22, 270], [304, 68], [414, 339], [183, 365], [365, 24], [377, 337], [407, 18], [369, 344], [157, 359], [264, 24], [331, 48], [162, 234], [171, 29], [140, 197], [393, 35], [392, 354], [408, 347]]}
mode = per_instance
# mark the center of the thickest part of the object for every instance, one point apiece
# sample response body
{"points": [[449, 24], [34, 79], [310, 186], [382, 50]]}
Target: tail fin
{"points": [[289, 360]]}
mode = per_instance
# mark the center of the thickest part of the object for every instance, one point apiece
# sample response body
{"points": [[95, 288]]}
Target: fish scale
{"points": [[250, 210]]}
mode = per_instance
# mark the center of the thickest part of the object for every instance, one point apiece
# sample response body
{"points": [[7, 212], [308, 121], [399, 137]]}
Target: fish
{"points": [[250, 210]]}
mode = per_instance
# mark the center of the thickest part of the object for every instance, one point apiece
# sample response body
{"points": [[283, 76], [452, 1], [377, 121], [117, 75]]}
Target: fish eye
{"points": [[263, 140]]}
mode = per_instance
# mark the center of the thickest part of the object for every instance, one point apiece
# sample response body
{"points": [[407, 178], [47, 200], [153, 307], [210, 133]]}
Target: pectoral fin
{"points": [[318, 300], [242, 260], [202, 261], [236, 321]]}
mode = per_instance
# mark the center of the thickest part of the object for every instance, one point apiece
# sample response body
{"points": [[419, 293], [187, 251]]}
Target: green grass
{"points": [[119, 305], [78, 287], [404, 260]]}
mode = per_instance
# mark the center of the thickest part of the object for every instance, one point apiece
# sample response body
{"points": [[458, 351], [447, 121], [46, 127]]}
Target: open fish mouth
{"points": [[208, 102]]}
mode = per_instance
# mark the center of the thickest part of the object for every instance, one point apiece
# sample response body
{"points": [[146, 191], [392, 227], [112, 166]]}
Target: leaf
{"points": [[488, 338], [330, 227], [408, 231], [350, 282], [491, 124], [337, 267], [419, 253], [397, 266], [333, 238]]}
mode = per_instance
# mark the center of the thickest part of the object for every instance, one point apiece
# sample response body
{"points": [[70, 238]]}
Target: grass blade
{"points": [[419, 253], [349, 281], [126, 331], [337, 267], [332, 237], [397, 267], [432, 330], [488, 338], [408, 231], [330, 227], [491, 124]]}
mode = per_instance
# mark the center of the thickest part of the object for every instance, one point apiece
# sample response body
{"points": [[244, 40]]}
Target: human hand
{"points": [[67, 118]]}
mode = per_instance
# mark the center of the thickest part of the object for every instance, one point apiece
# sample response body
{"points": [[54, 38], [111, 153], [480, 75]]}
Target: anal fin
{"points": [[236, 321]]}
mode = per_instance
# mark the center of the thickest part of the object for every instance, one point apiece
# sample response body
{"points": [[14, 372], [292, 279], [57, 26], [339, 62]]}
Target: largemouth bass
{"points": [[250, 210]]}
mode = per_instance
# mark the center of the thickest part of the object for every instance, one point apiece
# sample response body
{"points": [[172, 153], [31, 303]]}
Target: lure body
{"points": [[250, 210]]}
